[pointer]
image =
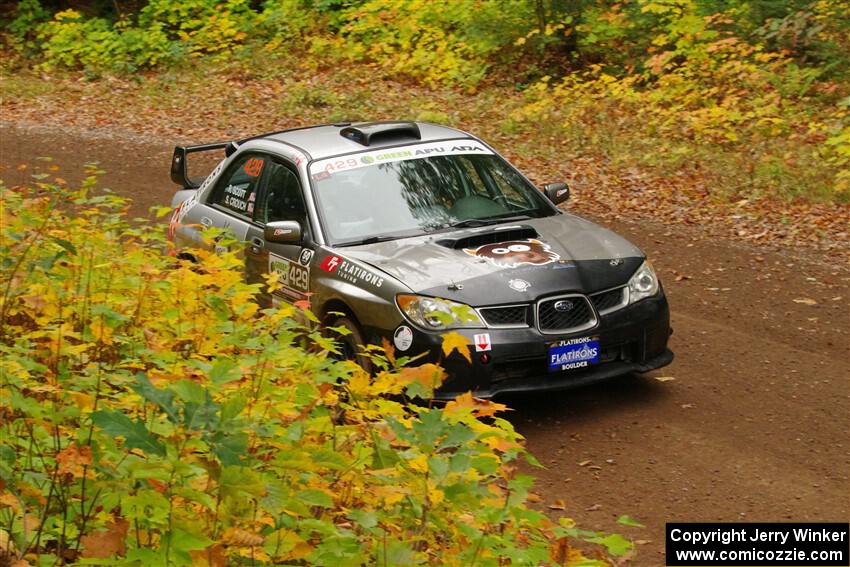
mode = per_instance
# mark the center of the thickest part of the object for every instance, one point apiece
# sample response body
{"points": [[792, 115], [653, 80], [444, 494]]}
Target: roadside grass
{"points": [[22, 87], [778, 170]]}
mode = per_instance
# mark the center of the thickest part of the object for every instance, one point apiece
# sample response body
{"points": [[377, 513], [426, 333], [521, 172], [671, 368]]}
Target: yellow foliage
{"points": [[454, 341], [155, 395]]}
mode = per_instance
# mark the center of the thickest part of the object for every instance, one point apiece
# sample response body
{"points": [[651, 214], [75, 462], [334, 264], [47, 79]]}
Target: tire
{"points": [[351, 345]]}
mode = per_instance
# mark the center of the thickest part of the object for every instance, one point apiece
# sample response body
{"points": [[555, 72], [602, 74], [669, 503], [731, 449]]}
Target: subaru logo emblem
{"points": [[519, 285], [564, 305]]}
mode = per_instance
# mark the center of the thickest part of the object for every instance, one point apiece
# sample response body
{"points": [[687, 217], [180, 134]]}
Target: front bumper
{"points": [[632, 339]]}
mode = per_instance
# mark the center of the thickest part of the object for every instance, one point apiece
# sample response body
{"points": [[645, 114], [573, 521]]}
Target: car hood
{"points": [[507, 263]]}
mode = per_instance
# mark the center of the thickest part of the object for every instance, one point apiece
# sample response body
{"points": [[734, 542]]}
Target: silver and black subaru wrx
{"points": [[410, 230]]}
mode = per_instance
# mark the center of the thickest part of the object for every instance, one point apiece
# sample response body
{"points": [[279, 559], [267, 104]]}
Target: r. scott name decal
{"points": [[234, 196]]}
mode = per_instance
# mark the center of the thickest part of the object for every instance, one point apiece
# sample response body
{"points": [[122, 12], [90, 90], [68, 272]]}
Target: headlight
{"points": [[436, 314], [643, 284]]}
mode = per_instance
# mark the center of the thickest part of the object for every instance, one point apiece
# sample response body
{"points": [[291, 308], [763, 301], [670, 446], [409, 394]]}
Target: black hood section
{"points": [[569, 254], [529, 283]]}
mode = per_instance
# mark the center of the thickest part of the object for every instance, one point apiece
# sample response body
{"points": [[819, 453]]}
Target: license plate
{"points": [[571, 354]]}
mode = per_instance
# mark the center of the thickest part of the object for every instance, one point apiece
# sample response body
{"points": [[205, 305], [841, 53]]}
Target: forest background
{"points": [[700, 102]]}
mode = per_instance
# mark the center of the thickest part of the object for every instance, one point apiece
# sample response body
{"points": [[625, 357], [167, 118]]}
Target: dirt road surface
{"points": [[750, 423]]}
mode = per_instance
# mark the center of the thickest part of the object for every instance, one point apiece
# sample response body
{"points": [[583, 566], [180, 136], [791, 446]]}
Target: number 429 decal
{"points": [[294, 277]]}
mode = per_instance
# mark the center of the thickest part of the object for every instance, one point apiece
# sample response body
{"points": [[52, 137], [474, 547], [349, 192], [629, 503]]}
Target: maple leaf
{"points": [[8, 500], [106, 543], [389, 350], [72, 460], [82, 400], [213, 556], [359, 382], [101, 332], [454, 341], [479, 407], [290, 545], [560, 550], [237, 537], [429, 375], [500, 443]]}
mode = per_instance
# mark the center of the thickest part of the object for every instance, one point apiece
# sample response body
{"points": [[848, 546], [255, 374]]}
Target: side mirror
{"points": [[283, 232], [557, 192]]}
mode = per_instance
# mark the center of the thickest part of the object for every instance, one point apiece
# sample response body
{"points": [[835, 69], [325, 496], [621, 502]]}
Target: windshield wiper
{"points": [[370, 240], [469, 223]]}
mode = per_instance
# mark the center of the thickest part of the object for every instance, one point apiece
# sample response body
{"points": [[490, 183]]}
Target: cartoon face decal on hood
{"points": [[514, 253]]}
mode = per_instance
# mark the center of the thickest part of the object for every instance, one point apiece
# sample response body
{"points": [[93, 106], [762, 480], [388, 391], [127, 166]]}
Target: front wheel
{"points": [[352, 344]]}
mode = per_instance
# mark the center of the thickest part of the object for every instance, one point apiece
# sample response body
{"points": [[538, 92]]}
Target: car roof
{"points": [[327, 140]]}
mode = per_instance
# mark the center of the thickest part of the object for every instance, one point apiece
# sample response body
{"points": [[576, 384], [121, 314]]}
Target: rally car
{"points": [[405, 231]]}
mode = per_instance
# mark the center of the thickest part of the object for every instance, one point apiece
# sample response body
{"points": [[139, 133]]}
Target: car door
{"points": [[230, 203], [281, 198]]}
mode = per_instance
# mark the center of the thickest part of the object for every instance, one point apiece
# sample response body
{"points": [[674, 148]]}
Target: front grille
{"points": [[575, 315], [609, 300], [507, 316]]}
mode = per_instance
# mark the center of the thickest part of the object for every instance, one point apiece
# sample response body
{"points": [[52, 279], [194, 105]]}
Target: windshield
{"points": [[416, 189]]}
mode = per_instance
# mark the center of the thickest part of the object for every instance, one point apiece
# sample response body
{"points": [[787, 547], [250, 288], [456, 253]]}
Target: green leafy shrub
{"points": [[152, 415], [70, 40], [705, 97], [164, 33], [206, 27], [282, 21], [437, 42], [28, 15]]}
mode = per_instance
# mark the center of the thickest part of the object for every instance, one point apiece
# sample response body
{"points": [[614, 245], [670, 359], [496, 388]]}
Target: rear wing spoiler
{"points": [[180, 165]]}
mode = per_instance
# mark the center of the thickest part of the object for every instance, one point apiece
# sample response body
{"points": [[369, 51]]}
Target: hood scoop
{"points": [[489, 236]]}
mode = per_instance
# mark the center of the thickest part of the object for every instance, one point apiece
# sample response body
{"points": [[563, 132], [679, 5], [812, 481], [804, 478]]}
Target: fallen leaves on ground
{"points": [[664, 378], [629, 521]]}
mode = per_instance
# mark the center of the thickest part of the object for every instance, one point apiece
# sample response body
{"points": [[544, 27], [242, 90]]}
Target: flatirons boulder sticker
{"points": [[351, 272], [515, 253]]}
